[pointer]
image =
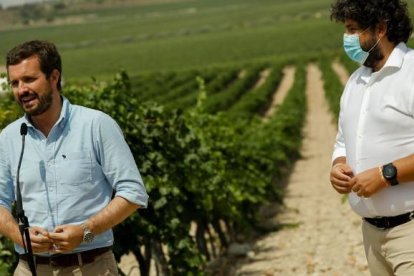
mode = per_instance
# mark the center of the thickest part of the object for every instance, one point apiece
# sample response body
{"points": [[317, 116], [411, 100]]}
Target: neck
{"points": [[45, 121], [387, 49]]}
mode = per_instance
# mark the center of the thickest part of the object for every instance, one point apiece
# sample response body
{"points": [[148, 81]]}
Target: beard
{"points": [[43, 102], [375, 55]]}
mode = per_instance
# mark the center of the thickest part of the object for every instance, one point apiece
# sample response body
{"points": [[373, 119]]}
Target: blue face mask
{"points": [[353, 48]]}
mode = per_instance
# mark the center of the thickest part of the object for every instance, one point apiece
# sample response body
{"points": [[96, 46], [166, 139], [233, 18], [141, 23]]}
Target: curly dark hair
{"points": [[46, 52], [368, 13]]}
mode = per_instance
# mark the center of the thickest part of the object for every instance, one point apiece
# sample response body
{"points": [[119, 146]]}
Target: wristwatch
{"points": [[389, 172], [88, 236]]}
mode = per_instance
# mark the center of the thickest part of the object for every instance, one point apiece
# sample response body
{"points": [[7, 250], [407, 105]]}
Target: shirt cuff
{"points": [[339, 152], [141, 199]]}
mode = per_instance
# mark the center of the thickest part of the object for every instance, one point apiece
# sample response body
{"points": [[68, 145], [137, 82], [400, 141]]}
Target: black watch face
{"points": [[389, 172]]}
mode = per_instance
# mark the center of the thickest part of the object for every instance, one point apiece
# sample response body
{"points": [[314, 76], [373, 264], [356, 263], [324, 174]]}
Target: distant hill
{"points": [[13, 3]]}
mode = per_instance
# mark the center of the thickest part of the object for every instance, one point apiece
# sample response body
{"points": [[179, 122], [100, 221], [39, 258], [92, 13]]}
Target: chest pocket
{"points": [[74, 168]]}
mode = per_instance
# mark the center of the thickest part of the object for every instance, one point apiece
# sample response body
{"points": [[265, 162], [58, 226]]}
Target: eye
{"points": [[29, 79], [14, 84]]}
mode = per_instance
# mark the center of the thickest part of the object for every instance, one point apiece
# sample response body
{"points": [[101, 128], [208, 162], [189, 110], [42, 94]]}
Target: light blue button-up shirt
{"points": [[70, 175]]}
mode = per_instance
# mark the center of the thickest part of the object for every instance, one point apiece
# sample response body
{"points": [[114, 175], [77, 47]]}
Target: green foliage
{"points": [[198, 168], [257, 100], [202, 168], [225, 99], [182, 35], [8, 110], [7, 257], [332, 85]]}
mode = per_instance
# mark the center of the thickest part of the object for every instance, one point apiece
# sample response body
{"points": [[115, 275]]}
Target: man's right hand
{"points": [[40, 239], [341, 175]]}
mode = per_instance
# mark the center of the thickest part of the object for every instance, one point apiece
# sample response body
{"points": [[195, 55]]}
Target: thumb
{"points": [[348, 171], [59, 229]]}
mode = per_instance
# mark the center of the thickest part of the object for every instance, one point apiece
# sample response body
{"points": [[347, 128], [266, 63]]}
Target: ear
{"points": [[54, 77], [382, 29]]}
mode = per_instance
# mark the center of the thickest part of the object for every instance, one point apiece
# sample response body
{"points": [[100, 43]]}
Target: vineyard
{"points": [[196, 88], [209, 156]]}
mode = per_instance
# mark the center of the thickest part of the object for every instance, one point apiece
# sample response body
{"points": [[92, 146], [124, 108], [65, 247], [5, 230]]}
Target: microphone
{"points": [[21, 218], [23, 129], [19, 203]]}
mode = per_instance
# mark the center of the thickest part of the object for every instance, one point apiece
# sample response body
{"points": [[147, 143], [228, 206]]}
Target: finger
{"points": [[356, 188], [361, 193], [350, 173], [40, 239], [340, 183], [41, 247], [59, 229], [341, 176], [57, 237]]}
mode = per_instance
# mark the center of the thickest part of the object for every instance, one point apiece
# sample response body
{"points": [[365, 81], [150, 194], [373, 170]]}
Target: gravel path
{"points": [[323, 237]]}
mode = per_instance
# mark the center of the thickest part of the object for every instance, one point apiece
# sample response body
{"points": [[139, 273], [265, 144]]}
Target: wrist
{"points": [[88, 235], [387, 184]]}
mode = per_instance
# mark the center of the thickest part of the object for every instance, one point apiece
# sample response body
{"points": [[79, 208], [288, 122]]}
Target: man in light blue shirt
{"points": [[74, 159]]}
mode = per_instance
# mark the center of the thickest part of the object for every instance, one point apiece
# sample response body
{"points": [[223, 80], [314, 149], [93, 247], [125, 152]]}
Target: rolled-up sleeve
{"points": [[118, 163], [6, 178]]}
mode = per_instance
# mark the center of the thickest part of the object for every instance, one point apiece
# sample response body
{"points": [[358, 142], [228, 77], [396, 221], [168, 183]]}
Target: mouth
{"points": [[28, 99]]}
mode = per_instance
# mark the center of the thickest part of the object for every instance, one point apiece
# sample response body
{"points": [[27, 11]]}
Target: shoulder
{"points": [[89, 114], [409, 58], [357, 73]]}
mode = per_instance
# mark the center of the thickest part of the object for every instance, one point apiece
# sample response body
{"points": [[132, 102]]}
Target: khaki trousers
{"points": [[104, 264], [389, 252]]}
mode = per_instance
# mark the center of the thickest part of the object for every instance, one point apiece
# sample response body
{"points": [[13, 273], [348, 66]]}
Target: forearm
{"points": [[116, 212], [9, 226]]}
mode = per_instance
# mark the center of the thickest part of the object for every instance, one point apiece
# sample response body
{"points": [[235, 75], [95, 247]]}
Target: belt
{"points": [[73, 259], [390, 222]]}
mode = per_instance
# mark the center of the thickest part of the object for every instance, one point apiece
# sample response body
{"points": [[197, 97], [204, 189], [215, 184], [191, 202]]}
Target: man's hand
{"points": [[66, 237], [341, 175], [367, 183], [40, 240]]}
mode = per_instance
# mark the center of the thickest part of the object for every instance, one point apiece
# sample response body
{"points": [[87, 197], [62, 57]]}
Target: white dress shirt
{"points": [[376, 127]]}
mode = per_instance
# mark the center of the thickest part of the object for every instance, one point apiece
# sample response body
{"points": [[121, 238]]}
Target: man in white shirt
{"points": [[373, 158]]}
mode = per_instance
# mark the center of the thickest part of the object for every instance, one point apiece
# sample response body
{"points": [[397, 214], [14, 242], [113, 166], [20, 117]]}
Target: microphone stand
{"points": [[22, 220]]}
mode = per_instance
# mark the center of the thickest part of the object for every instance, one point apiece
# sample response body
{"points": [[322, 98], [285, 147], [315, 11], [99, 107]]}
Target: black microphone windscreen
{"points": [[23, 129]]}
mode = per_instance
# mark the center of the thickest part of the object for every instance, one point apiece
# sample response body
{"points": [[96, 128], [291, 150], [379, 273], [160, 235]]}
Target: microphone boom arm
{"points": [[22, 220]]}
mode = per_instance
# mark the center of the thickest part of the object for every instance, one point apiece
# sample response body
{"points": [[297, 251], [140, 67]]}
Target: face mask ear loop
{"points": [[375, 44]]}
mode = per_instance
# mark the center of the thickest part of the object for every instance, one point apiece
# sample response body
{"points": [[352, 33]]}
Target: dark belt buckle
{"points": [[54, 261]]}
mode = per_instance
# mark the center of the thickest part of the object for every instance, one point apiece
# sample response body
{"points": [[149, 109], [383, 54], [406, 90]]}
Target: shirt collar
{"points": [[395, 60], [63, 117]]}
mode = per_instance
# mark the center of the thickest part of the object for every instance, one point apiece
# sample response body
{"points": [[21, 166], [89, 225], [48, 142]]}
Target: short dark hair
{"points": [[368, 13], [45, 51]]}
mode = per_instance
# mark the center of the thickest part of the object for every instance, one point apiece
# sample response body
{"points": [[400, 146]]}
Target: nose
{"points": [[20, 88]]}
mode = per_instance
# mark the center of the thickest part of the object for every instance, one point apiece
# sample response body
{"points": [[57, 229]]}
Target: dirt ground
{"points": [[283, 89], [324, 236]]}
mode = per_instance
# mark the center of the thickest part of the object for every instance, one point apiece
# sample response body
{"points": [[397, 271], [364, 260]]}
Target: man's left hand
{"points": [[66, 237], [367, 183]]}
